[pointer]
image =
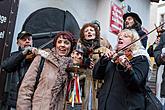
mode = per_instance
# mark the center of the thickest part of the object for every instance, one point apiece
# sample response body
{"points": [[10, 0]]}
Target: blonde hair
{"points": [[132, 33]]}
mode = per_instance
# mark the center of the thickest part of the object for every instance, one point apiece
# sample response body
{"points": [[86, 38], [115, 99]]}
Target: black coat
{"points": [[16, 66], [150, 50], [159, 61], [141, 33], [122, 90]]}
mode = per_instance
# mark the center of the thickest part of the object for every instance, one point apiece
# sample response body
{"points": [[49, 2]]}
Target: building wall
{"points": [[153, 22], [141, 7], [84, 11], [160, 11]]}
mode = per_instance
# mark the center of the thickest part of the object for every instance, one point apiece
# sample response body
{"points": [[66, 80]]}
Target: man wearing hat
{"points": [[133, 21], [17, 65]]}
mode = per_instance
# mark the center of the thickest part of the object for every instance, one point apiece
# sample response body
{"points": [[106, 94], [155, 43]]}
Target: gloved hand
{"points": [[43, 53], [27, 50], [163, 54]]}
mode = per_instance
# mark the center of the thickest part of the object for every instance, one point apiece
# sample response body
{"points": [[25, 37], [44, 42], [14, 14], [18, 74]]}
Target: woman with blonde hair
{"points": [[124, 74]]}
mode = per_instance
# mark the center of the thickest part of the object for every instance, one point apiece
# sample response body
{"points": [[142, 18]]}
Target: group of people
{"points": [[85, 71]]}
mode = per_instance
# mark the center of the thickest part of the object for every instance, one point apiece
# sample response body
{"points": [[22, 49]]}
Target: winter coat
{"points": [[90, 47], [17, 66], [50, 91], [159, 61], [122, 89]]}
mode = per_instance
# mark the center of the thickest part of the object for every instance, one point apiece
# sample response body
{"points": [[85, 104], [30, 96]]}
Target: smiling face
{"points": [[123, 40], [62, 46], [89, 33], [25, 41]]}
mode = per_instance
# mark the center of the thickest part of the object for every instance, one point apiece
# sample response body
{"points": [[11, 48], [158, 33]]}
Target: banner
{"points": [[116, 19]]}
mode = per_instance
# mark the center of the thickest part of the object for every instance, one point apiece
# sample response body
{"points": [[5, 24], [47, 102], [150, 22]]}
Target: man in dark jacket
{"points": [[133, 21], [17, 64], [159, 54]]}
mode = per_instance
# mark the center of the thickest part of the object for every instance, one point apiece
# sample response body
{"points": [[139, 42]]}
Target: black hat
{"points": [[134, 15], [23, 33]]}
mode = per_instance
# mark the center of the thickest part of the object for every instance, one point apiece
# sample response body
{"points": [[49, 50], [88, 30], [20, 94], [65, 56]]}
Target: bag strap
{"points": [[39, 72]]}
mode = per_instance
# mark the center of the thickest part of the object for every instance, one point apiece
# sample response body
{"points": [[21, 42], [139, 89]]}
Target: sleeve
{"points": [[136, 77], [100, 67], [158, 49], [26, 90], [150, 51], [144, 40], [12, 62]]}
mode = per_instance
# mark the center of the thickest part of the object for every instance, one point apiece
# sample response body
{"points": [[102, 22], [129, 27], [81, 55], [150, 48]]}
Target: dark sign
{"points": [[8, 12]]}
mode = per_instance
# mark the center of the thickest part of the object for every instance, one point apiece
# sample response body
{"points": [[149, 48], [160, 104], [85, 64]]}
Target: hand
{"points": [[28, 50], [124, 61], [111, 54], [163, 54], [43, 53]]}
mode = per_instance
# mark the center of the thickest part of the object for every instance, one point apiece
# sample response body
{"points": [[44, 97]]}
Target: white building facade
{"points": [[85, 11]]}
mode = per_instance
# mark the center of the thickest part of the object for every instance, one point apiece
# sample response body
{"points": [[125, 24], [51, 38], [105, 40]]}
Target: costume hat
{"points": [[134, 15]]}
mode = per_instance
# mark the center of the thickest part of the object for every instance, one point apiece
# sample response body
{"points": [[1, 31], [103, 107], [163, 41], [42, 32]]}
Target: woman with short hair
{"points": [[49, 93]]}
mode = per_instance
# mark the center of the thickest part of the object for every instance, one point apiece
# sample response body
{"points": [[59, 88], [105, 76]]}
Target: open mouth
{"points": [[120, 42], [89, 35], [127, 23], [27, 46], [62, 50]]}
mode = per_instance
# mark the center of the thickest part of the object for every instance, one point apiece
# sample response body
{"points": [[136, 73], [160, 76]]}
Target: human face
{"points": [[77, 57], [89, 33], [157, 40], [123, 40], [63, 46], [129, 22], [25, 41]]}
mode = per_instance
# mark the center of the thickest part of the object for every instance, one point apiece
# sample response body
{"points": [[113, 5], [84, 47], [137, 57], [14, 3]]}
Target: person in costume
{"points": [[133, 21]]}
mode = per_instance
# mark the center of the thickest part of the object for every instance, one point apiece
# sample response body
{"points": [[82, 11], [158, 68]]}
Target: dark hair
{"points": [[136, 24], [65, 35], [87, 25]]}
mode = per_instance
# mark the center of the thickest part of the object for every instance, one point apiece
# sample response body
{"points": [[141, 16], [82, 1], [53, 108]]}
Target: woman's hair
{"points": [[91, 25], [132, 33], [65, 35]]}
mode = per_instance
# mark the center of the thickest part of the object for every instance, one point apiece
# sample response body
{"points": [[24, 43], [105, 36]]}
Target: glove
{"points": [[43, 53], [27, 50], [163, 54]]}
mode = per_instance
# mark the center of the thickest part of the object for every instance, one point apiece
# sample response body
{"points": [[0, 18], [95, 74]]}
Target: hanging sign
{"points": [[116, 19]]}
